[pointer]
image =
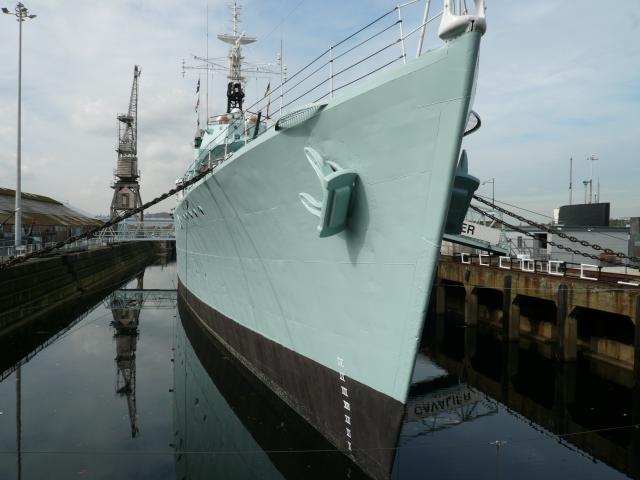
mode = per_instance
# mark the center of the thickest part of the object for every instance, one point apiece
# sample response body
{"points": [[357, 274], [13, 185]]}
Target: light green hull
{"points": [[210, 439], [353, 302]]}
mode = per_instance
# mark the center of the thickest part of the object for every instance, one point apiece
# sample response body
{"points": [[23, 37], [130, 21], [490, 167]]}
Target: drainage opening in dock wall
{"points": [[490, 305], [604, 334], [447, 297], [537, 316]]}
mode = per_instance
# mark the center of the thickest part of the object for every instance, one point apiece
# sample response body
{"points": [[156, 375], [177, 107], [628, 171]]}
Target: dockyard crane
{"points": [[126, 186]]}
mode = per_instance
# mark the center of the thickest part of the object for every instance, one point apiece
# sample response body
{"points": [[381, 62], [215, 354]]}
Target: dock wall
{"points": [[34, 288], [571, 314]]}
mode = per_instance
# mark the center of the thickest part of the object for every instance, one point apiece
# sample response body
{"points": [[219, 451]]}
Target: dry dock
{"points": [[569, 310]]}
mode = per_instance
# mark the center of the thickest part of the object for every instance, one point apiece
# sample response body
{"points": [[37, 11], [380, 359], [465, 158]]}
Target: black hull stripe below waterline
{"points": [[365, 420], [293, 446]]}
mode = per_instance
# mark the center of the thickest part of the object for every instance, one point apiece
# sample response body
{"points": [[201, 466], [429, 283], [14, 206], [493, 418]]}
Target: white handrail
{"points": [[423, 27], [331, 71], [407, 3], [404, 54], [303, 86], [330, 57]]}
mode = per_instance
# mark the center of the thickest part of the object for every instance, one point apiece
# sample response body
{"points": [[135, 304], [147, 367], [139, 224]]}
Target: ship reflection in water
{"points": [[228, 424], [478, 408], [182, 407]]}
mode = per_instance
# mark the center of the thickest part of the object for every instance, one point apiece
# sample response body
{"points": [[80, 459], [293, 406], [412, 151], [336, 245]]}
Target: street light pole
{"points": [[493, 192], [21, 14], [492, 181], [18, 222], [591, 158]]}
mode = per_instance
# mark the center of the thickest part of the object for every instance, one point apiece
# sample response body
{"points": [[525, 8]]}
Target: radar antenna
{"points": [[235, 91]]}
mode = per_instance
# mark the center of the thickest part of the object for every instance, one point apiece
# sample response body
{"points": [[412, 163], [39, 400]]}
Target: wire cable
{"points": [[553, 231]]}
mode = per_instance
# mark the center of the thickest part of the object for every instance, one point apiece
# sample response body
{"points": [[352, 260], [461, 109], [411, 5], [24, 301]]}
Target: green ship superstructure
{"points": [[310, 249]]}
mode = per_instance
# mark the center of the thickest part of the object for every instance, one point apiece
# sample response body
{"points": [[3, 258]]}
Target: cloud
{"points": [[552, 87], [554, 82], [93, 116]]}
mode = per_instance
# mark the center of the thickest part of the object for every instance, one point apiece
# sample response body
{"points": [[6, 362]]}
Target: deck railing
{"points": [[374, 47], [377, 45]]}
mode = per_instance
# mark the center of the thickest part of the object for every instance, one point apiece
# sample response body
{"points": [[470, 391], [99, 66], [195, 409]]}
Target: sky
{"points": [[554, 82]]}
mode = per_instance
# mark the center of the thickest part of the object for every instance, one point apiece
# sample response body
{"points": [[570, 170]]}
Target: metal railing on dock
{"points": [[555, 268], [148, 231], [155, 230]]}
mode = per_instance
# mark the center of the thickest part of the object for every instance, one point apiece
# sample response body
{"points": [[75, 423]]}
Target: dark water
{"points": [[117, 391]]}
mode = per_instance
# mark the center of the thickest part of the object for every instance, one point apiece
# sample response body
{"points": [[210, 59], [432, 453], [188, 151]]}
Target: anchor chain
{"points": [[109, 223], [529, 234], [560, 234]]}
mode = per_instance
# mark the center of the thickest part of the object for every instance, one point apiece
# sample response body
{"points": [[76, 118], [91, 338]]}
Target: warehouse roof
{"points": [[40, 210]]}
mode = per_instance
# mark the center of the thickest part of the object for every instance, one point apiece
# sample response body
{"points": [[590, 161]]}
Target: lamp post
{"points": [[21, 13], [591, 158], [492, 181]]}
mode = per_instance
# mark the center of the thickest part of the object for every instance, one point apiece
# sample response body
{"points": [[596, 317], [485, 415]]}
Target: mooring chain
{"points": [[529, 234], [206, 170], [109, 223], [547, 229]]}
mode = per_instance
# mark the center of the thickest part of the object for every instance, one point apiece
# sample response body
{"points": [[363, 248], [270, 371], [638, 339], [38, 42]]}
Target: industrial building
{"points": [[588, 223], [44, 219], [613, 238]]}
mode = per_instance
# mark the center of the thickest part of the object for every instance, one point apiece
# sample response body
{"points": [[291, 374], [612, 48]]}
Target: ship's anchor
{"points": [[337, 189]]}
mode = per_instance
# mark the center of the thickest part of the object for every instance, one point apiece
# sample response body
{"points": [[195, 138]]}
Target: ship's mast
{"points": [[235, 87], [234, 69]]}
